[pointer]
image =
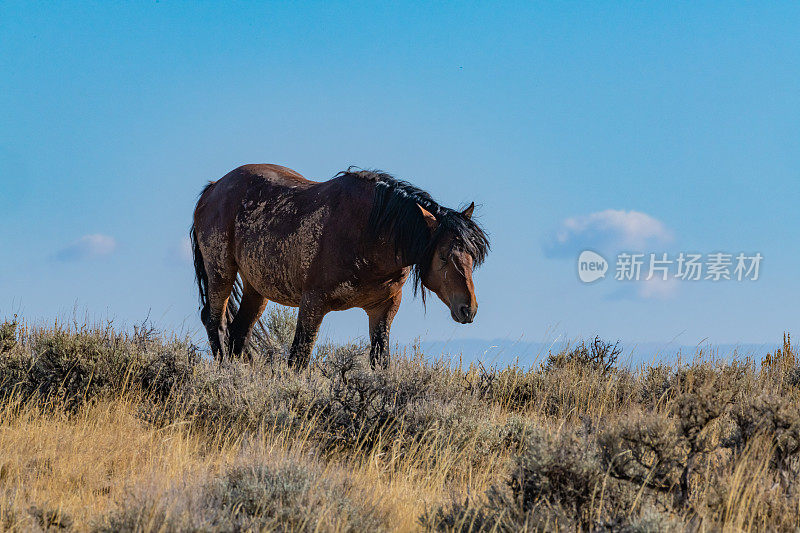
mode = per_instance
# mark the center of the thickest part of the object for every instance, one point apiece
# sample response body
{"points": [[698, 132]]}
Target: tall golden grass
{"points": [[105, 431]]}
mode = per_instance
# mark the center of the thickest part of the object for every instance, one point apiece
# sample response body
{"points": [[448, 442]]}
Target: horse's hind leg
{"points": [[250, 309], [221, 276]]}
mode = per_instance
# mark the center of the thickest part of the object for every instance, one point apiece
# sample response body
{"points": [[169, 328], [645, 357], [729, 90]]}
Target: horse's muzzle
{"points": [[463, 314]]}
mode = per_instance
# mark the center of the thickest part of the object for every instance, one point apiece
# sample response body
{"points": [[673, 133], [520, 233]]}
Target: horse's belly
{"points": [[274, 271], [343, 295], [275, 255]]}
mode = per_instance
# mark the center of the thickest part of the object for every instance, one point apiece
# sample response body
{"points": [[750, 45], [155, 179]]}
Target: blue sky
{"points": [[683, 117]]}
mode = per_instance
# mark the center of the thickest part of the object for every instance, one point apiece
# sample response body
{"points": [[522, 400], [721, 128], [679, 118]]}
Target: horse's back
{"points": [[274, 174], [223, 199], [283, 228]]}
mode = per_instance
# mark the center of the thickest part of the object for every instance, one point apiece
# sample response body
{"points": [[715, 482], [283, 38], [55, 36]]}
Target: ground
{"points": [[109, 431]]}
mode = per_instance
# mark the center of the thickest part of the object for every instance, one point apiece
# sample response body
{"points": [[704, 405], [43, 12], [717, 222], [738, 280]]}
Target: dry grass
{"points": [[101, 431]]}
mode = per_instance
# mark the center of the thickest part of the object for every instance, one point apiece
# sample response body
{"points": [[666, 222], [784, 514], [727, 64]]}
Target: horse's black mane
{"points": [[395, 215]]}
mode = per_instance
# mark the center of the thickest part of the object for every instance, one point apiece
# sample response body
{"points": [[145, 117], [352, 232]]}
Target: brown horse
{"points": [[348, 242]]}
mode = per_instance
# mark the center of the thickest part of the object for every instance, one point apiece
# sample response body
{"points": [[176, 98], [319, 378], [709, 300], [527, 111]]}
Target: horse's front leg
{"points": [[380, 322], [309, 319]]}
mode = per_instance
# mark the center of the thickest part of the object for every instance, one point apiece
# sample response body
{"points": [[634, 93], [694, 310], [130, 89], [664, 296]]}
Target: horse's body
{"points": [[319, 246]]}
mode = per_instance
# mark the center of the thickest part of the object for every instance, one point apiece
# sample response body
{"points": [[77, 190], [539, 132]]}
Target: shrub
{"points": [[240, 397], [284, 497], [576, 444], [782, 360], [768, 415], [8, 335], [558, 483], [272, 337], [50, 519], [599, 356], [71, 368]]}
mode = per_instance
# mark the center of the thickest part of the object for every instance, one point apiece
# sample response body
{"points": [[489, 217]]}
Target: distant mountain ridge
{"points": [[526, 354]]}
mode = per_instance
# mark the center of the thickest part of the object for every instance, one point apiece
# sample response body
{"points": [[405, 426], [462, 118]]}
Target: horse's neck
{"points": [[384, 263]]}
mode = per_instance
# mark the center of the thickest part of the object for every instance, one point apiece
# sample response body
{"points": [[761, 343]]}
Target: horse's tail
{"points": [[260, 333], [234, 301], [201, 276]]}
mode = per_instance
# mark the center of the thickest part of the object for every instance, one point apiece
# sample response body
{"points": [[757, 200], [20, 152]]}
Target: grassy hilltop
{"points": [[106, 431]]}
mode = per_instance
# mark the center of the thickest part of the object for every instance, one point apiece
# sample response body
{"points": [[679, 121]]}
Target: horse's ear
{"points": [[430, 220], [468, 211]]}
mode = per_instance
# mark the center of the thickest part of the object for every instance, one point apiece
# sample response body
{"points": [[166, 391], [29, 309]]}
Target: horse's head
{"points": [[457, 246]]}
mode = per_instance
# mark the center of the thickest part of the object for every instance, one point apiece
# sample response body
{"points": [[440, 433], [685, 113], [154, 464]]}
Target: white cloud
{"points": [[87, 247], [607, 231], [652, 289], [658, 288]]}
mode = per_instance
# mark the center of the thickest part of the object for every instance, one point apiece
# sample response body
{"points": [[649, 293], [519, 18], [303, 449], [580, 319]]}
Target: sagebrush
{"points": [[109, 431]]}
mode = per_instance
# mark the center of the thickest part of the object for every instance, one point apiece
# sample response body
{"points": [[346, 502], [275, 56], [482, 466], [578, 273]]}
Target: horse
{"points": [[348, 242]]}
